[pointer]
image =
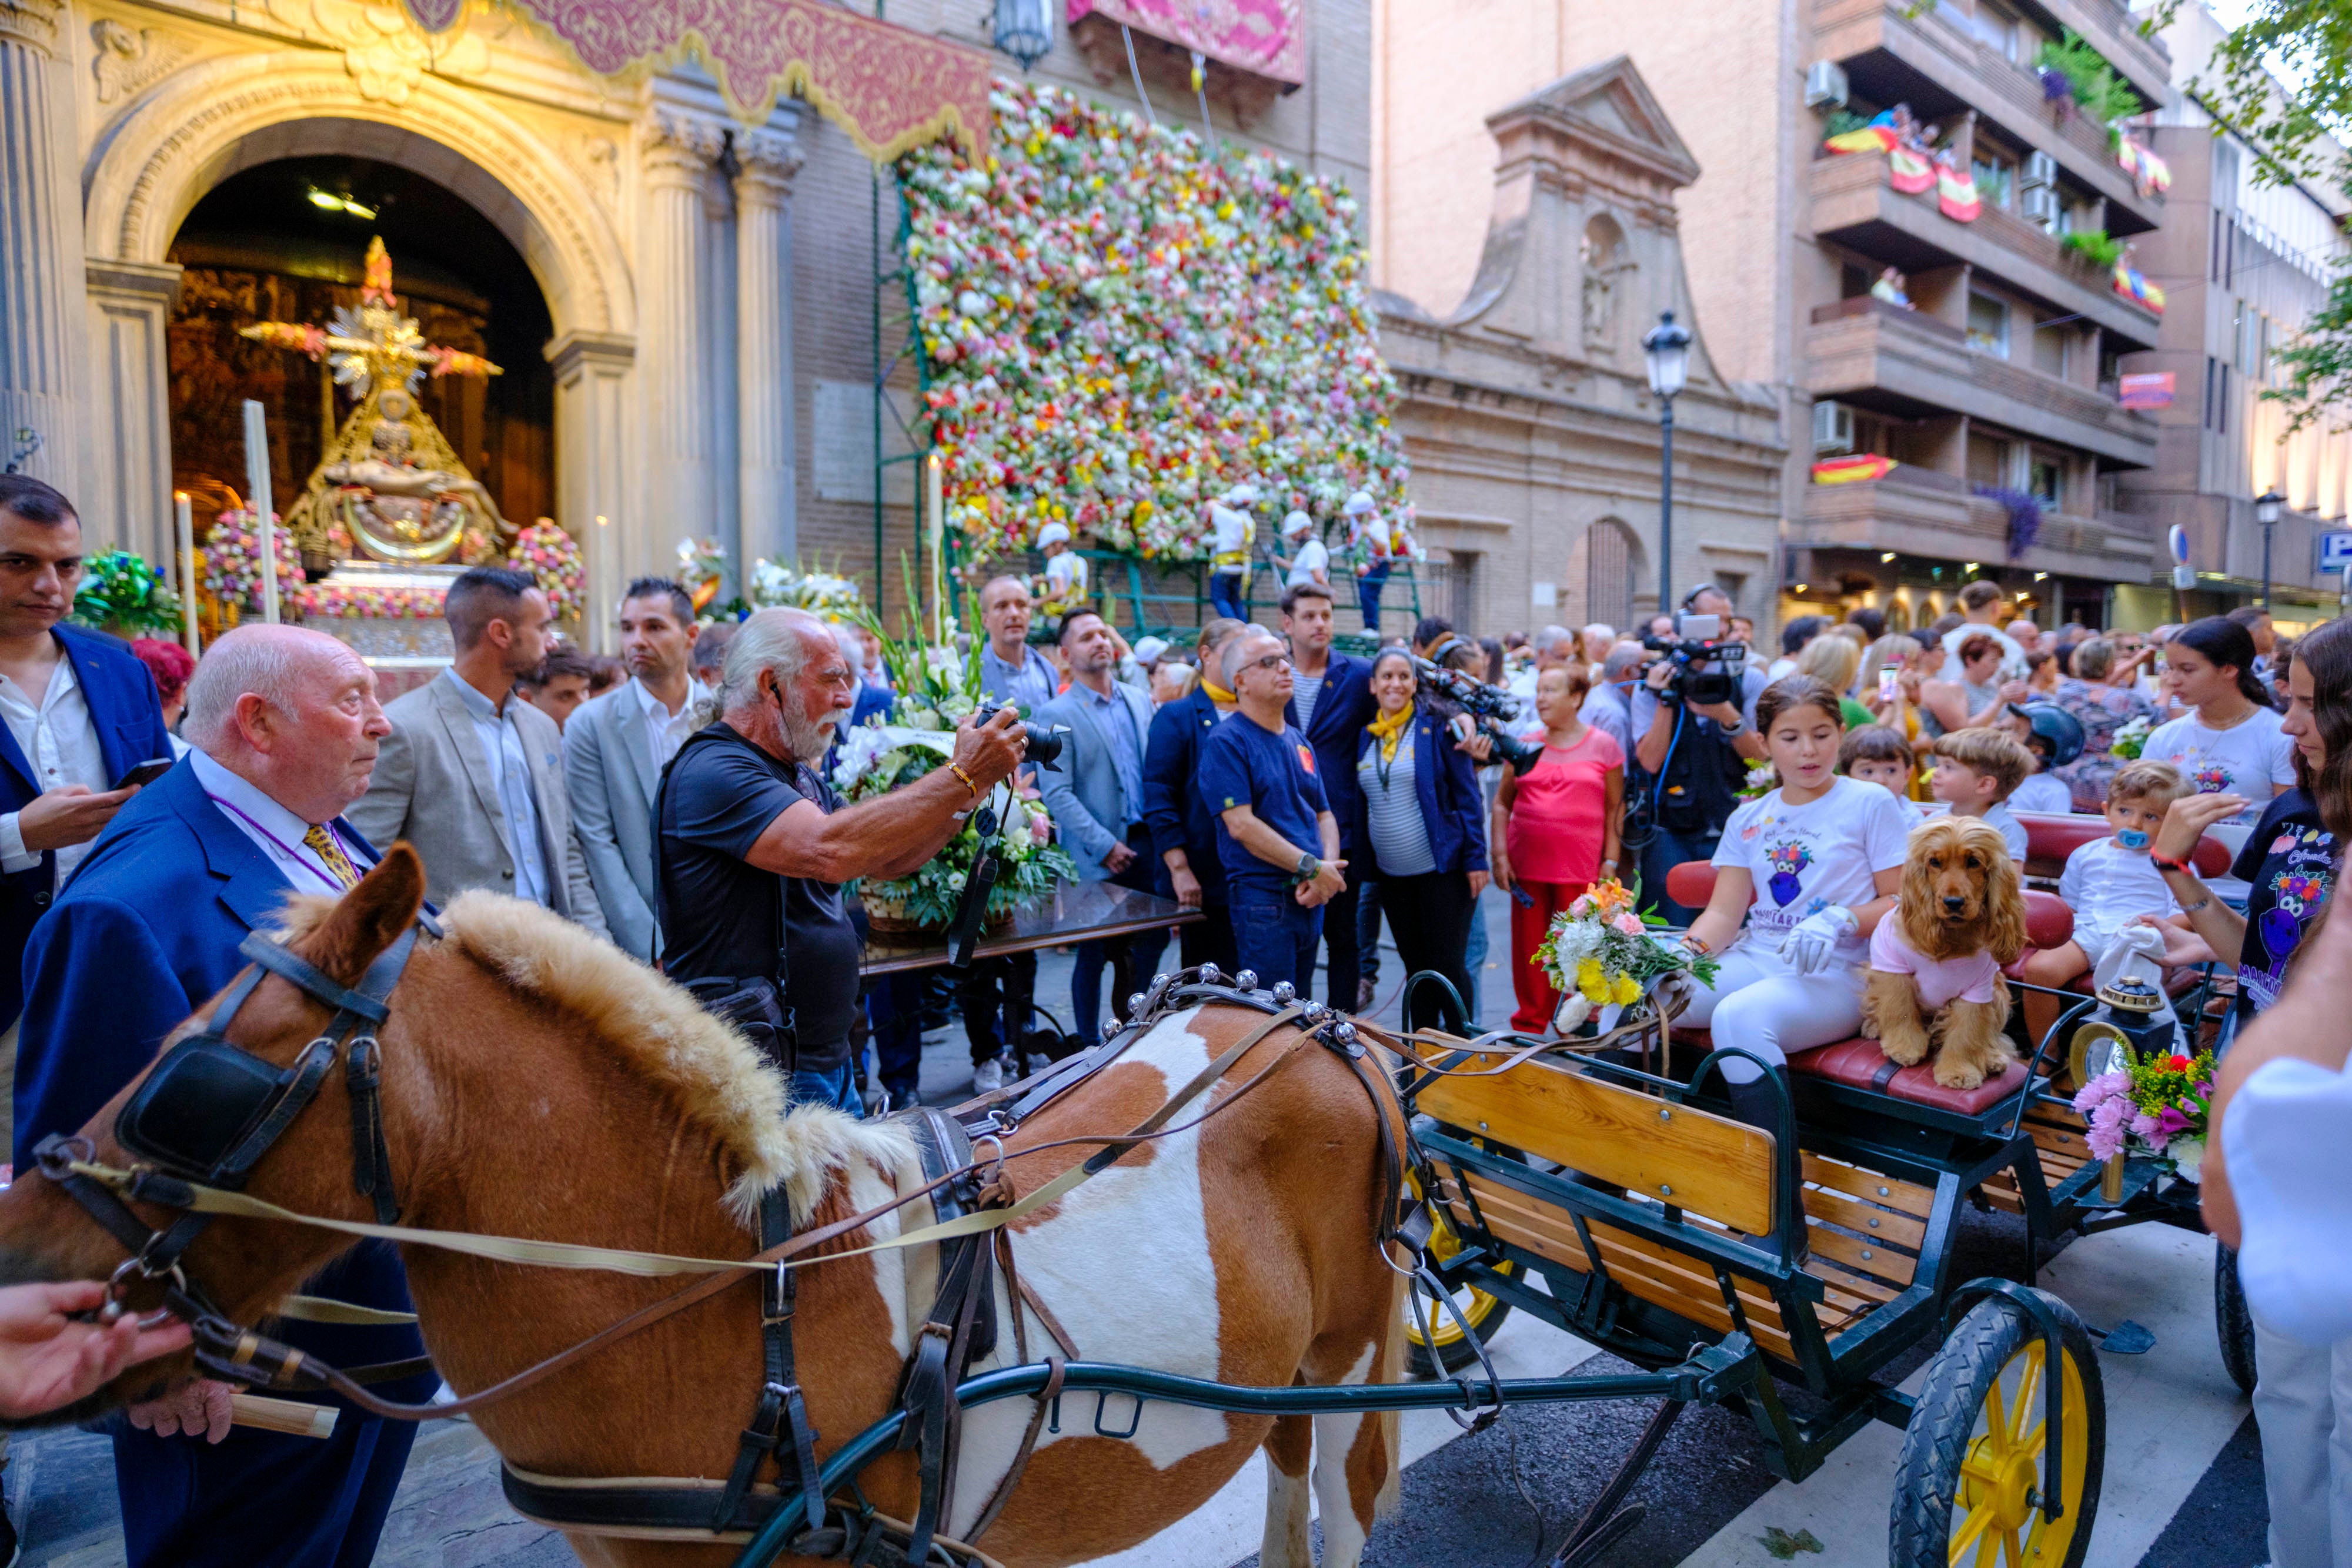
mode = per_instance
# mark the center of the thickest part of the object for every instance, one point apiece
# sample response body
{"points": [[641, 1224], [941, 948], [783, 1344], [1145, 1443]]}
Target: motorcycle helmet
{"points": [[2057, 728]]}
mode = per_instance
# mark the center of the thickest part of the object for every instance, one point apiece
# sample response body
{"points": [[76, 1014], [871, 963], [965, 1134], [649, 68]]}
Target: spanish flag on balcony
{"points": [[1852, 470], [1874, 137], [2131, 284], [1956, 194], [1908, 170]]}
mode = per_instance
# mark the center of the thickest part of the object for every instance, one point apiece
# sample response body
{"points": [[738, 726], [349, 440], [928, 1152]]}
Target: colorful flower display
{"points": [[232, 570], [121, 592], [1120, 328], [1599, 955], [552, 557], [2160, 1101], [823, 592], [319, 600]]}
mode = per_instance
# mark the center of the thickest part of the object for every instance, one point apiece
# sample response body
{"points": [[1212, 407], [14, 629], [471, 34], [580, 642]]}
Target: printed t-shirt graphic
{"points": [[2254, 758], [2289, 860], [1805, 859]]}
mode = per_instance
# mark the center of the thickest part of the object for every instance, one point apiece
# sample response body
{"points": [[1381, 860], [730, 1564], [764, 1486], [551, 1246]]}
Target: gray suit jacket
{"points": [[608, 760], [1082, 790], [433, 787]]}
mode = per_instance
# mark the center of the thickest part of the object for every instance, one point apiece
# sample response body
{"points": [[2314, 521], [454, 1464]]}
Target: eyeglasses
{"points": [[1271, 662]]}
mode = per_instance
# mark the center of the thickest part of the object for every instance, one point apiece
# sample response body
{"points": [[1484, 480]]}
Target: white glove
{"points": [[1809, 942]]}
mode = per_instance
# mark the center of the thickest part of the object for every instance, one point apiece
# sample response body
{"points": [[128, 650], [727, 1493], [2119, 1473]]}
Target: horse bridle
{"points": [[210, 1109]]}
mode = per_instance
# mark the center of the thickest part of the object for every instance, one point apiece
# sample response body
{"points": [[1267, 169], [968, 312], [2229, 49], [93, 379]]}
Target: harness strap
{"points": [[287, 965], [778, 1392], [370, 1157]]}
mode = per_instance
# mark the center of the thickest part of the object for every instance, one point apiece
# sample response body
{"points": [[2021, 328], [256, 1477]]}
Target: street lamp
{"points": [[1023, 29], [1668, 348], [2267, 506]]}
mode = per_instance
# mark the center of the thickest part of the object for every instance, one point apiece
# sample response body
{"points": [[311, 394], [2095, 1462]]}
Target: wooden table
{"points": [[1078, 912]]}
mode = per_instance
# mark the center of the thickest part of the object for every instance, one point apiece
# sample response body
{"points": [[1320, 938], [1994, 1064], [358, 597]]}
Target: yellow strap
{"points": [[321, 1310]]}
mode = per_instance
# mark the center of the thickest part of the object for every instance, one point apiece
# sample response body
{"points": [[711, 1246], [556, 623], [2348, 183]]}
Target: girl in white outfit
{"points": [[1802, 876]]}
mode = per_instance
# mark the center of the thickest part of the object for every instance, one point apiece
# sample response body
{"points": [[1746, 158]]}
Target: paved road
{"points": [[2184, 1462]]}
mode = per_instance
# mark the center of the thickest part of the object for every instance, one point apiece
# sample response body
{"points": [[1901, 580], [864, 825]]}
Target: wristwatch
{"points": [[1735, 728], [1308, 869]]}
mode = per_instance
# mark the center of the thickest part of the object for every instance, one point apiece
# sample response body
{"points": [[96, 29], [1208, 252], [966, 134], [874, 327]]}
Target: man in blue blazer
{"points": [[1095, 794], [1183, 829], [1330, 703], [286, 727]]}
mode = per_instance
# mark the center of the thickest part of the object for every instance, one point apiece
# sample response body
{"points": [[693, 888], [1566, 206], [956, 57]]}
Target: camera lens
{"points": [[1044, 744]]}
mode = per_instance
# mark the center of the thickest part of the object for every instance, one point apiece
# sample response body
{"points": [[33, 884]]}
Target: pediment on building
{"points": [[1611, 105]]}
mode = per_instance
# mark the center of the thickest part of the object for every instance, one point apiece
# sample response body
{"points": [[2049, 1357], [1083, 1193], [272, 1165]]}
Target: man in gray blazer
{"points": [[1096, 795], [616, 747], [472, 775]]}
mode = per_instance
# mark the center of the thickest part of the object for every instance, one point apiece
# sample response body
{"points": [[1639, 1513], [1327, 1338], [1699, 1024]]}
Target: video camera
{"points": [[1490, 708], [1044, 739], [1706, 670]]}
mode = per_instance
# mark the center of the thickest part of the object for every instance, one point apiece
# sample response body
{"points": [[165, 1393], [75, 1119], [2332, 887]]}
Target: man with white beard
{"points": [[753, 847]]}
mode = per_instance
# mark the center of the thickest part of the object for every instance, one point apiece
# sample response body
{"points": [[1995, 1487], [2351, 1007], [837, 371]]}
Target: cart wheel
{"points": [[1484, 1312], [1966, 1488], [2230, 1318]]}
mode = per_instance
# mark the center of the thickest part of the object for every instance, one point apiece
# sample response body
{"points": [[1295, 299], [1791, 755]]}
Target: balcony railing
{"points": [[1920, 512]]}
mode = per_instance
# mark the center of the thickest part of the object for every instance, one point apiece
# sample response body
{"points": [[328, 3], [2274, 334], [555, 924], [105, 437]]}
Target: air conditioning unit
{"points": [[2040, 171], [1825, 85], [2040, 205], [1832, 428]]}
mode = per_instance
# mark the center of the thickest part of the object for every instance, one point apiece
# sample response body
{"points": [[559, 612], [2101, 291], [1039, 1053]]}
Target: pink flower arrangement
{"points": [[2160, 1101], [233, 560], [316, 601], [551, 556]]}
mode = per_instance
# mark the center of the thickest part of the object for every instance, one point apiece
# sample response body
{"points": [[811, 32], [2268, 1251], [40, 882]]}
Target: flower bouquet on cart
{"points": [[2156, 1107], [937, 688], [1615, 970]]}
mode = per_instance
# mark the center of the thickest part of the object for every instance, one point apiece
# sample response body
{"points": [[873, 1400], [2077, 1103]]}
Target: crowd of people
{"points": [[156, 808]]}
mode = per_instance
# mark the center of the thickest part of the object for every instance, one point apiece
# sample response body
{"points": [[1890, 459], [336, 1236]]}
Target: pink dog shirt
{"points": [[1969, 978]]}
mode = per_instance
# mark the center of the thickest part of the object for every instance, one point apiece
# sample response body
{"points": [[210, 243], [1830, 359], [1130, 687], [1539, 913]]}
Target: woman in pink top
{"points": [[1555, 831]]}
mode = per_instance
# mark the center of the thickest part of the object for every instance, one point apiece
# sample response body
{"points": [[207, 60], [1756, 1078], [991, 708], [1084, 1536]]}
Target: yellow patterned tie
{"points": [[328, 850]]}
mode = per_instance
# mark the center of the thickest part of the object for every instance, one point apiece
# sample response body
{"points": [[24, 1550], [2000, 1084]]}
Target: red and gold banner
{"points": [[1267, 37], [1852, 470], [1908, 170], [891, 87]]}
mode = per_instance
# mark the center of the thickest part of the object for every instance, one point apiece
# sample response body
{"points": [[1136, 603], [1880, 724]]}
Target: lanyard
{"points": [[284, 848]]}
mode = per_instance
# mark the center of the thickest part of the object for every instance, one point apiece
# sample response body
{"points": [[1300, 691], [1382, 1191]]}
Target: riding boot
{"points": [[1755, 1103]]}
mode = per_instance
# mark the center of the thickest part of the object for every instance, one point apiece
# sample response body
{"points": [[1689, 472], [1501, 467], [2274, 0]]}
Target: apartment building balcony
{"points": [[1892, 55], [1853, 205], [1884, 358], [2109, 26], [1923, 513]]}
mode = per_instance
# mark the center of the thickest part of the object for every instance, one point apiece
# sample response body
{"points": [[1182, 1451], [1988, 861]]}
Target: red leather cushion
{"points": [[2049, 840], [2048, 921], [1691, 882], [1860, 1064]]}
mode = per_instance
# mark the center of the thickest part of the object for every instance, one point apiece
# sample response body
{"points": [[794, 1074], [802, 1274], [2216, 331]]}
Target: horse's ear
{"points": [[370, 918]]}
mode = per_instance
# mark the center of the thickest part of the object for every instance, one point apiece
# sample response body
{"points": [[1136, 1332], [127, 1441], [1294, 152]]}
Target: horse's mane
{"points": [[716, 1077]]}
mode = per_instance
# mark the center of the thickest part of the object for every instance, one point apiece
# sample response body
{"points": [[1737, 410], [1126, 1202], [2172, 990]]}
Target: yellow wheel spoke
{"points": [[1996, 1422], [1981, 1472], [2032, 1442], [2027, 1382], [1979, 1521], [2011, 1554]]}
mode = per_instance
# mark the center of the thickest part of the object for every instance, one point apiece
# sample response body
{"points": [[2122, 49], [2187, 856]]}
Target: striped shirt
{"points": [[1392, 813]]}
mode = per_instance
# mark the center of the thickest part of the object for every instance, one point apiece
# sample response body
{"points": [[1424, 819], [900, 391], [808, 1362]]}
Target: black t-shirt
{"points": [[2289, 863], [718, 911]]}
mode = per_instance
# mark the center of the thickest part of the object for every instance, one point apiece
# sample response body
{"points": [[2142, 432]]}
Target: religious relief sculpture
{"points": [[1602, 256], [389, 487]]}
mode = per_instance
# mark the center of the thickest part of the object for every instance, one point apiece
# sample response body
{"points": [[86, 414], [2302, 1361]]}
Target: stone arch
{"points": [[1605, 570], [199, 126]]}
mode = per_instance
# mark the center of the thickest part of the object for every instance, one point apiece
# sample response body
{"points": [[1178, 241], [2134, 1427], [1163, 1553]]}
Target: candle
{"points": [[935, 527], [183, 514], [256, 482]]}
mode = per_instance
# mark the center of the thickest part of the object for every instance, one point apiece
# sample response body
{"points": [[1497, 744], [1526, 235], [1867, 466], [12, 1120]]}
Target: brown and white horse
{"points": [[537, 1083]]}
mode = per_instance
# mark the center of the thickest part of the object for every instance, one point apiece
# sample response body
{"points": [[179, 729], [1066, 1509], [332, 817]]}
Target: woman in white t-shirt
{"points": [[2231, 744], [1802, 876]]}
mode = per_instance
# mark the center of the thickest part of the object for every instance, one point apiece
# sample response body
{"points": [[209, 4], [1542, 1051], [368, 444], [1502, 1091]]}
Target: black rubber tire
{"points": [[1927, 1474], [2231, 1320], [1454, 1355]]}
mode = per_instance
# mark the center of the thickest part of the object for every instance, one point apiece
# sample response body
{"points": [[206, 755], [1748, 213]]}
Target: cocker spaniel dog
{"points": [[1936, 984]]}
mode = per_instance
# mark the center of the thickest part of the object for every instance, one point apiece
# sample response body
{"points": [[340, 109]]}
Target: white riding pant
{"points": [[1761, 1004], [2303, 1401]]}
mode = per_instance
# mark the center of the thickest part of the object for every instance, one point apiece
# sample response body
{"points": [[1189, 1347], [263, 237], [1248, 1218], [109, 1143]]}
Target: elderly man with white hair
{"points": [[1598, 639], [1609, 705], [285, 727], [753, 846]]}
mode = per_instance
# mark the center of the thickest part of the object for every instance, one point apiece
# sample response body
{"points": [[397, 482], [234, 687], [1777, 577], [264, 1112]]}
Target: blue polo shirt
{"points": [[1242, 763]]}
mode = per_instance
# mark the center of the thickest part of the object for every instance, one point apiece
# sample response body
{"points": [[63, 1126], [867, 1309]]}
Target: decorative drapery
{"points": [[891, 88], [1267, 37]]}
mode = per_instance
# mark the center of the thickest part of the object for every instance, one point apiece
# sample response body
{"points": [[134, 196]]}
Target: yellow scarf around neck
{"points": [[1217, 693], [1389, 728]]}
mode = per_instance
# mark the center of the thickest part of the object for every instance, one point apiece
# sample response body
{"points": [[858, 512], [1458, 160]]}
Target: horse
{"points": [[537, 1081]]}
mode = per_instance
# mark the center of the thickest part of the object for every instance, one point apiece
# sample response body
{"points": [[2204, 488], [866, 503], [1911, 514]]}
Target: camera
{"points": [[1703, 669], [1044, 739], [1483, 703]]}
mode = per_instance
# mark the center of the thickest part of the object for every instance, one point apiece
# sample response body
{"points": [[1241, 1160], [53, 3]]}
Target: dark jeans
{"points": [[1368, 927], [994, 996], [1132, 958], [1225, 594], [1367, 596], [1340, 959], [1430, 917], [1208, 940], [833, 1086], [894, 1004], [1664, 851], [1274, 936]]}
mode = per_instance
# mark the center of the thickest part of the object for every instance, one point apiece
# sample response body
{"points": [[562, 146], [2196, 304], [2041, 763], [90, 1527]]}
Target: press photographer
{"points": [[1693, 720], [753, 846]]}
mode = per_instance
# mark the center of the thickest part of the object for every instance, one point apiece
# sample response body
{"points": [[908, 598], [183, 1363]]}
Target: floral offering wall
{"points": [[1121, 326]]}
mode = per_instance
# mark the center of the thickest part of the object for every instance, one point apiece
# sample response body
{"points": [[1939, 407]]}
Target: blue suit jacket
{"points": [[120, 695], [1178, 813], [1082, 790], [145, 932], [1450, 802], [1341, 710]]}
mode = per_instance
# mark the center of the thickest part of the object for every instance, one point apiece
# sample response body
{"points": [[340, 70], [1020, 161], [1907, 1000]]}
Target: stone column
{"points": [[130, 501], [595, 474], [766, 163], [681, 492], [40, 240]]}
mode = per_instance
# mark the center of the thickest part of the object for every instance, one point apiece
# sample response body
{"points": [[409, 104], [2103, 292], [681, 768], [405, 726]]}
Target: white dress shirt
{"points": [[61, 745], [666, 731], [275, 831], [511, 780]]}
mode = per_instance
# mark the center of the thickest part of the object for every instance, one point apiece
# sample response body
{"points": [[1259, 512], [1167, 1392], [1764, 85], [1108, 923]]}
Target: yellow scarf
{"points": [[1217, 693], [1389, 728]]}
